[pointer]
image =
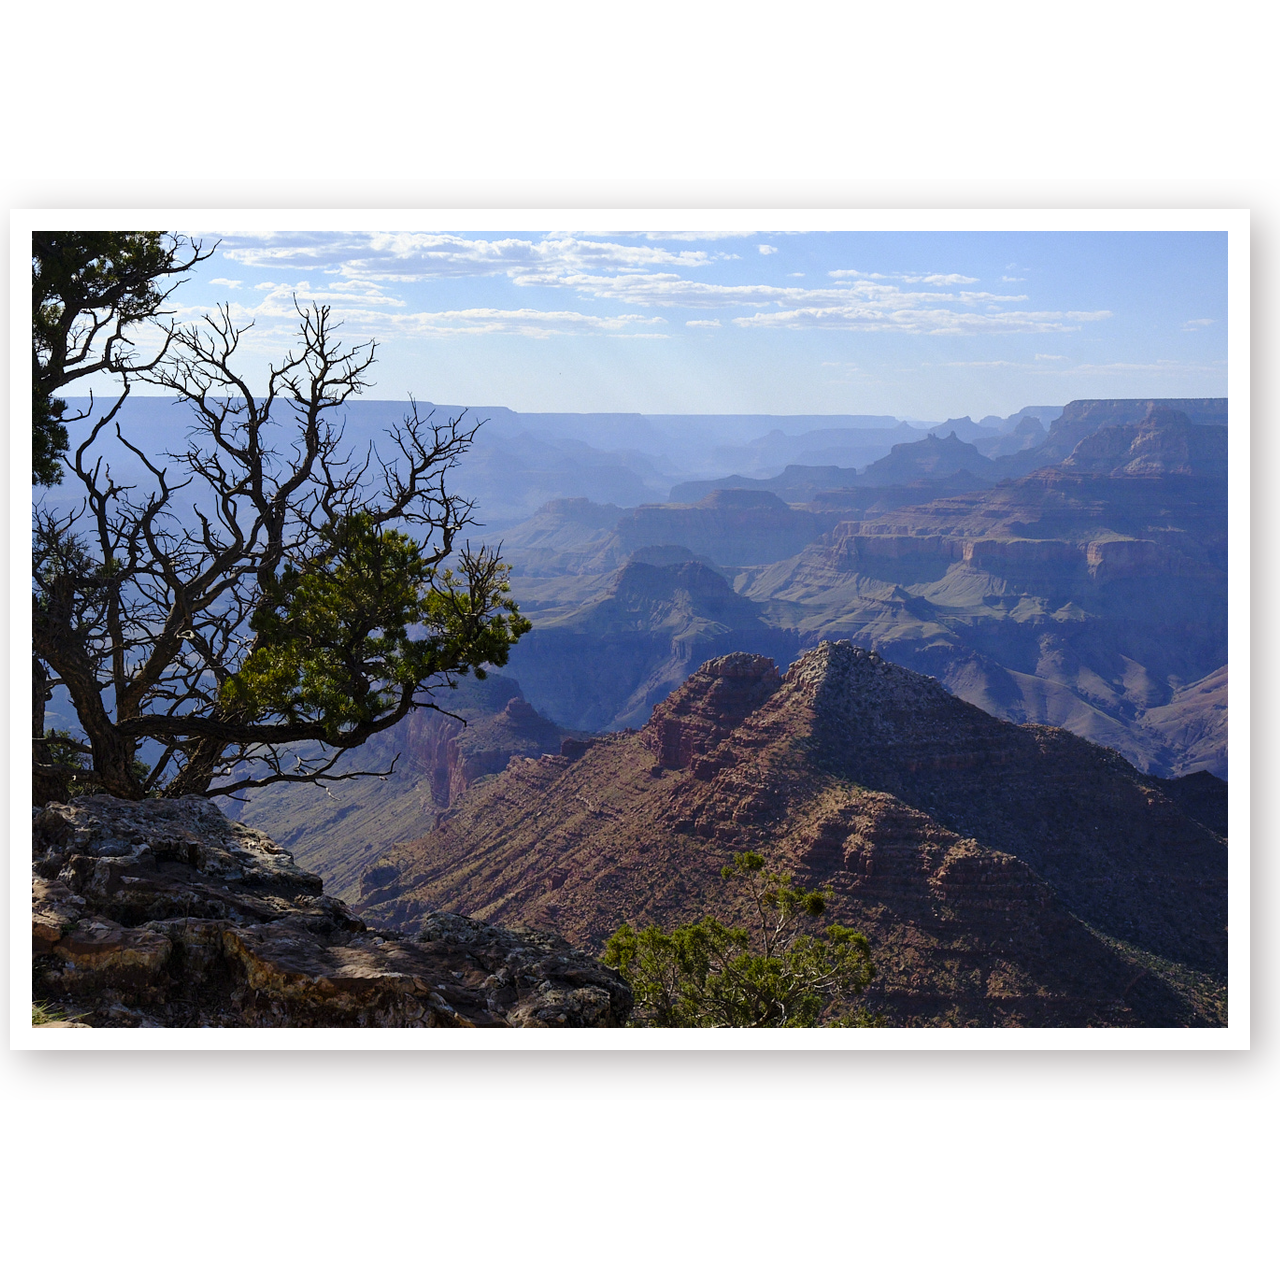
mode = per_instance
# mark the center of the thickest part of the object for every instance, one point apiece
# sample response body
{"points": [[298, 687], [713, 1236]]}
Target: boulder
{"points": [[166, 913]]}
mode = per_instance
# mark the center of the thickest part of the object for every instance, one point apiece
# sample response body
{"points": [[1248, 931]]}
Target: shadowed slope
{"points": [[604, 665], [1005, 874]]}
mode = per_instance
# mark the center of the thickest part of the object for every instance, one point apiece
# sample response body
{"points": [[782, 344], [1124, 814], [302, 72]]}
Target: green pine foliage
{"points": [[311, 600], [785, 971], [333, 643], [87, 289]]}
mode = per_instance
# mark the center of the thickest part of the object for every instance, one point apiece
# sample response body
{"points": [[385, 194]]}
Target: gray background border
{"points": [[739, 1074]]}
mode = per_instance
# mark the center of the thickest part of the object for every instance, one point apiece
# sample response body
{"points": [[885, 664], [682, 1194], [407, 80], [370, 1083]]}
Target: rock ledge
{"points": [[164, 913]]}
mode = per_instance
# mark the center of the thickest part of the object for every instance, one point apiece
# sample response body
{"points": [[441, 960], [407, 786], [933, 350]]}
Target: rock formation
{"points": [[338, 831], [1070, 598], [1165, 442], [1087, 594], [1090, 594], [165, 913], [729, 526], [603, 665], [1082, 418], [708, 707], [1006, 875], [1029, 433], [934, 457]]}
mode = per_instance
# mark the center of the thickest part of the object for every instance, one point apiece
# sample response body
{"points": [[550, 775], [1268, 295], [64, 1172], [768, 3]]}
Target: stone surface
{"points": [[708, 707], [338, 831], [1004, 874], [166, 913]]}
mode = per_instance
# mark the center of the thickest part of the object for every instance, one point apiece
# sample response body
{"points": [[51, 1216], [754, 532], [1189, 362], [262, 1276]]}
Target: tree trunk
{"points": [[43, 789]]}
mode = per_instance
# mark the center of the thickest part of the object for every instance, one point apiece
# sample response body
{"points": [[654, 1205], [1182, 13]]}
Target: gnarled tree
{"points": [[263, 602], [89, 289]]}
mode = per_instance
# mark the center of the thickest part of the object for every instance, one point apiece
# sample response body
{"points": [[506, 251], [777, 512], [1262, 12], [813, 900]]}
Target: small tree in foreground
{"points": [[263, 601], [782, 972]]}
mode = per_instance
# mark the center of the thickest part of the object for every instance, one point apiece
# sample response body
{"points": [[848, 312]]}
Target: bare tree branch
{"points": [[280, 592]]}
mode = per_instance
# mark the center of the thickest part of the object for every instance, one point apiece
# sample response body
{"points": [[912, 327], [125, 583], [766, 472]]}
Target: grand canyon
{"points": [[972, 680]]}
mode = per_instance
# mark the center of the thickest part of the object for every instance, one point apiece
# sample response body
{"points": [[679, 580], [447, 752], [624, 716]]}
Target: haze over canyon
{"points": [[974, 674]]}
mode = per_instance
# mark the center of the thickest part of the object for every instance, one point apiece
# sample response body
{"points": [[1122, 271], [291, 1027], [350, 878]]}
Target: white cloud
{"points": [[1192, 325], [230, 284], [1013, 279], [667, 289], [702, 324], [274, 318], [934, 279], [356, 273], [526, 322], [795, 275], [1040, 356], [686, 235], [278, 299], [417, 255], [364, 290], [940, 279], [875, 316]]}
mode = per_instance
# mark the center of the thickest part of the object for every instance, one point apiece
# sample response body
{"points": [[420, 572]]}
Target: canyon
{"points": [[976, 681], [1005, 874]]}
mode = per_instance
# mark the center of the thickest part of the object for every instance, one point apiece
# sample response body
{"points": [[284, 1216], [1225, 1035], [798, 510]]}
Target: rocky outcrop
{"points": [[1018, 559], [803, 485], [903, 557], [1166, 442], [1005, 875], [708, 707], [606, 664], [1065, 598], [730, 526], [1196, 720], [562, 536], [936, 456], [1030, 433], [433, 756], [1081, 418], [165, 913], [796, 483], [453, 753]]}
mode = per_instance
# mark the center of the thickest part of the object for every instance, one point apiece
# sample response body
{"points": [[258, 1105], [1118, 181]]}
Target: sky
{"points": [[925, 325]]}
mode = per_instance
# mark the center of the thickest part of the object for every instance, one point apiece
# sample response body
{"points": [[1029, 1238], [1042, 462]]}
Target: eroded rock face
{"points": [[1166, 442], [1003, 874], [166, 913], [731, 526], [453, 752], [708, 707]]}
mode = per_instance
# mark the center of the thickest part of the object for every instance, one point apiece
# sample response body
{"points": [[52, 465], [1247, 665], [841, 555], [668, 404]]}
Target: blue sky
{"points": [[916, 324]]}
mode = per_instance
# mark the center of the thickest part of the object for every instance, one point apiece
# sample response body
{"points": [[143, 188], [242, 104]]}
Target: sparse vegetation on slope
{"points": [[779, 972]]}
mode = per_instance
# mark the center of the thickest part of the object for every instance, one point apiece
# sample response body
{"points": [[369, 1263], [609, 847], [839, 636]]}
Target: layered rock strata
{"points": [[1005, 875], [708, 707], [165, 913]]}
